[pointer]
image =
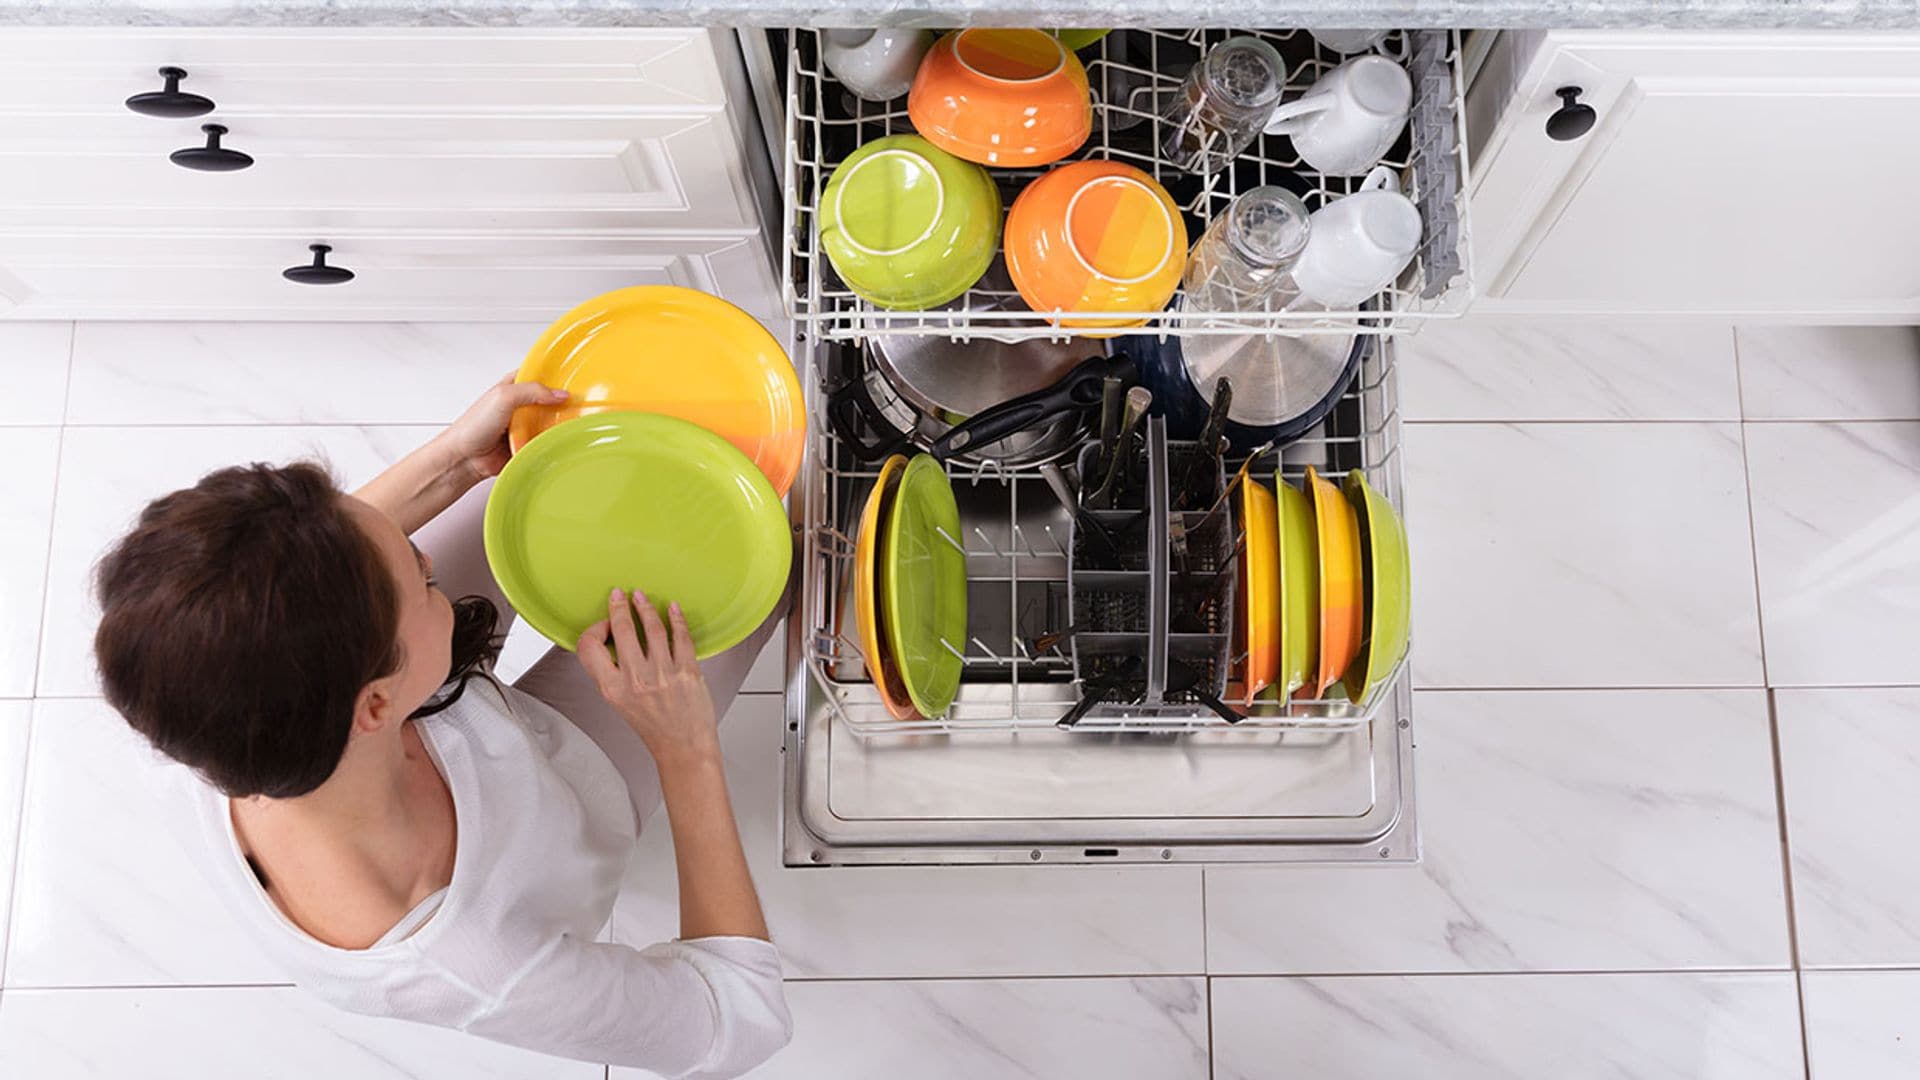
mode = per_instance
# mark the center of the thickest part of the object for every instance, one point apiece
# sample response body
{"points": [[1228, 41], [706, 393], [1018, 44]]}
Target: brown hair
{"points": [[242, 616]]}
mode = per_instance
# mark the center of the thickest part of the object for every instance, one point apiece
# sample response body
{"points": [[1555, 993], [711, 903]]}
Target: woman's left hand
{"points": [[477, 441]]}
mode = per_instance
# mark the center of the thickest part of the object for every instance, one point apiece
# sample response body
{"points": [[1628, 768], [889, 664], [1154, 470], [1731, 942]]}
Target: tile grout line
{"points": [[1786, 877], [1206, 974], [1773, 727]]}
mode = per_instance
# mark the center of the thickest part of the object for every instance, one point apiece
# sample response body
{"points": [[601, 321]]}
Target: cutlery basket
{"points": [[1166, 595]]}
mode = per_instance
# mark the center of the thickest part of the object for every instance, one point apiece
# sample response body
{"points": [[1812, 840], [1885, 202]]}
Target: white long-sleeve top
{"points": [[507, 950]]}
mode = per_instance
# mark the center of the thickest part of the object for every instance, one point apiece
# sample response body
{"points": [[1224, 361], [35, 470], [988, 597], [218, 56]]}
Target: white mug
{"points": [[1350, 117], [876, 65], [1358, 244], [1348, 42]]}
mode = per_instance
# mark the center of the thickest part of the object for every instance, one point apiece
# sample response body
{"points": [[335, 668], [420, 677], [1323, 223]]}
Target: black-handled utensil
{"points": [[1139, 400], [1207, 459], [1056, 478], [1077, 391]]}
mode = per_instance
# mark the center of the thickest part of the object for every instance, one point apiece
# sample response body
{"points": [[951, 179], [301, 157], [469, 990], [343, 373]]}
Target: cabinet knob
{"points": [[171, 102], [318, 272], [212, 157], [1572, 119]]}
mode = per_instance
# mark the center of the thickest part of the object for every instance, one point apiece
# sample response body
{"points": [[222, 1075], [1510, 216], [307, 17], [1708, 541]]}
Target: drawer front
{"points": [[483, 278], [88, 71], [681, 172]]}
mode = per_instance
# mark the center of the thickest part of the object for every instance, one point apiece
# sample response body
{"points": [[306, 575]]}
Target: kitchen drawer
{"points": [[683, 172], [513, 278], [78, 72]]}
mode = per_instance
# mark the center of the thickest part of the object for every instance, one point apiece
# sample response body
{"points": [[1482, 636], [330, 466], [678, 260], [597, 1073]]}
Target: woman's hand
{"points": [[477, 441], [658, 688]]}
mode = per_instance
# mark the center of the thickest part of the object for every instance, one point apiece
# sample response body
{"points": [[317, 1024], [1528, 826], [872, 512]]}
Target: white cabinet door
{"points": [[683, 172], [478, 278], [1755, 175]]}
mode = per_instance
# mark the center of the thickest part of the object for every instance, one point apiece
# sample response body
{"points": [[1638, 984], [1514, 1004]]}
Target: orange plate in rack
{"points": [[866, 594], [1341, 605], [680, 352]]}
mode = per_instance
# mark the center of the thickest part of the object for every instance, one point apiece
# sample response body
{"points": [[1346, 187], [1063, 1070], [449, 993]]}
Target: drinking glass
{"points": [[1222, 105], [1245, 254]]}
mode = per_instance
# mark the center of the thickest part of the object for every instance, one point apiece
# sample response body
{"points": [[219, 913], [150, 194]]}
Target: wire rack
{"points": [[1017, 671], [1132, 72]]}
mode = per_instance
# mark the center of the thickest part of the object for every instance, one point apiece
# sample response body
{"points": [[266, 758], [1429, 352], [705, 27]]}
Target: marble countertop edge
{"points": [[1505, 14]]}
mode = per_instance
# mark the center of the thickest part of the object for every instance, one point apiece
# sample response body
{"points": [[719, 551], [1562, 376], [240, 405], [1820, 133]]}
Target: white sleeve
{"points": [[708, 1007]]}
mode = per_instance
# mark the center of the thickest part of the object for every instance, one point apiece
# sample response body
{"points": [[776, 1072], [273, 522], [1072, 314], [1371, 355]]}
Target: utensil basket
{"points": [[1168, 597]]}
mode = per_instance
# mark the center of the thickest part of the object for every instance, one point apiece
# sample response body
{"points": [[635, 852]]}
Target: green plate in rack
{"points": [[925, 587]]}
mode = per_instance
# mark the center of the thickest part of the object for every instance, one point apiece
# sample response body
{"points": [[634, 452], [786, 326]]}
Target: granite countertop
{"points": [[1851, 14]]}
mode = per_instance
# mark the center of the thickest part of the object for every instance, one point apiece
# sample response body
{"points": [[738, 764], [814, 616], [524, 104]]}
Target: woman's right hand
{"points": [[658, 688]]}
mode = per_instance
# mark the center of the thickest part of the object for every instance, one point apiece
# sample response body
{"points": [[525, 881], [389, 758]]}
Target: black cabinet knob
{"points": [[212, 157], [171, 102], [318, 272], [1572, 119]]}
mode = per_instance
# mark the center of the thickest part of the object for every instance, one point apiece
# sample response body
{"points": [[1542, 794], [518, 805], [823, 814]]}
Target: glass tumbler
{"points": [[1243, 257], [1222, 105]]}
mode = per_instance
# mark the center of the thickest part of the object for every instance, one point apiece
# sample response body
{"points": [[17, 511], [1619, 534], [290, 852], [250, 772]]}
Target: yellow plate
{"points": [[679, 352], [866, 595], [1341, 607], [1299, 589], [1259, 587]]}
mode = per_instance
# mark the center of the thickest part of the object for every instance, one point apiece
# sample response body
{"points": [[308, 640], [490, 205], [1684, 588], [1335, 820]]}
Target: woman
{"points": [[407, 836]]}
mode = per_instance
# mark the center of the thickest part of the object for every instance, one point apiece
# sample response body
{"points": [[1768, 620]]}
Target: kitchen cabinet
{"points": [[462, 174], [1735, 175]]}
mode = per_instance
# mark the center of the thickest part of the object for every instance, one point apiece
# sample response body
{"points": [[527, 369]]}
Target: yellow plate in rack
{"points": [[1259, 587], [866, 592]]}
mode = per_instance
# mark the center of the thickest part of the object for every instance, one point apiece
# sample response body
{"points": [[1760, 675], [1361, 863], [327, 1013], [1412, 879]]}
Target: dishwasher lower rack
{"points": [[1132, 72], [1017, 669]]}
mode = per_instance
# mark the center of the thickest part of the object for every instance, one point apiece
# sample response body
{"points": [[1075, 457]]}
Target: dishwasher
{"points": [[994, 780]]}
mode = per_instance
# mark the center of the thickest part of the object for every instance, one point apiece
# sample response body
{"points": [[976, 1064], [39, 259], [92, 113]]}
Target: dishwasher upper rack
{"points": [[1017, 579], [1140, 68]]}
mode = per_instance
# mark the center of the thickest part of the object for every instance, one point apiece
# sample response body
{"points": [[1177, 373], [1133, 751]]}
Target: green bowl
{"points": [[908, 225], [1079, 37]]}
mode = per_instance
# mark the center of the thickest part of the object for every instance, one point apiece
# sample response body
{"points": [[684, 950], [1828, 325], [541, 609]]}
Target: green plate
{"points": [[925, 587], [1386, 573], [1299, 587], [908, 225], [639, 501]]}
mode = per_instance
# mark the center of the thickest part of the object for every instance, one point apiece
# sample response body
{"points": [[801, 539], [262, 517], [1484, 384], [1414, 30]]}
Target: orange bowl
{"points": [[1009, 98], [1096, 236], [1341, 610]]}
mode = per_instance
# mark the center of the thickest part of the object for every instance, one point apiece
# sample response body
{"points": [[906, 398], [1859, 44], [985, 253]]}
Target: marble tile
{"points": [[1509, 1027], [33, 368], [106, 894], [1836, 527], [108, 474], [880, 922], [1848, 760], [929, 1029], [1483, 369], [1598, 830], [26, 515], [15, 718], [1829, 372], [287, 373], [1862, 1025], [1580, 555], [193, 1033]]}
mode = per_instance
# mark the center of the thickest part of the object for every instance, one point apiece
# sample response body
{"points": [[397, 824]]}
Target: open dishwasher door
{"points": [[993, 780]]}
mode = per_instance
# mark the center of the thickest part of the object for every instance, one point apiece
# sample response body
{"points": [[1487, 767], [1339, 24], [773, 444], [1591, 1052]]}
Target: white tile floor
{"points": [[1626, 538]]}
